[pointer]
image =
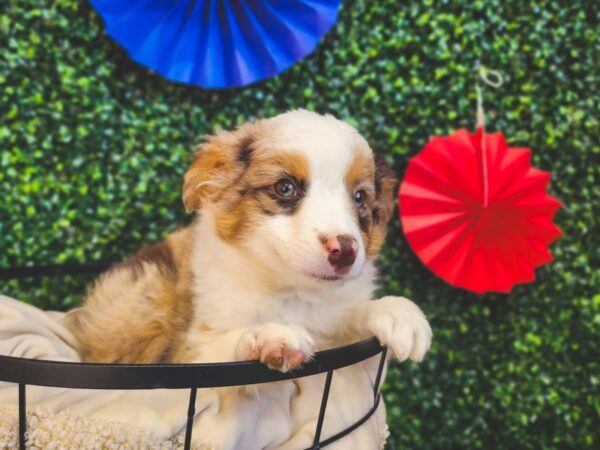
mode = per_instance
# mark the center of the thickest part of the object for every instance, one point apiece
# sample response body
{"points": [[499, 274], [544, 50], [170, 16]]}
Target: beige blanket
{"points": [[77, 418]]}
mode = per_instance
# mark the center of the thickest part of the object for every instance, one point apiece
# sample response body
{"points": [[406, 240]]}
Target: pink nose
{"points": [[342, 251]]}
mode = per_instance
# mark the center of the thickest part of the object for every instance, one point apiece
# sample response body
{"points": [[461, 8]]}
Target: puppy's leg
{"points": [[254, 416], [281, 347], [398, 323]]}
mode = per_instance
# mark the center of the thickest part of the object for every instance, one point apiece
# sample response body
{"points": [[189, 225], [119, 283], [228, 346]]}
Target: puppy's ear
{"points": [[218, 163], [383, 206], [385, 188]]}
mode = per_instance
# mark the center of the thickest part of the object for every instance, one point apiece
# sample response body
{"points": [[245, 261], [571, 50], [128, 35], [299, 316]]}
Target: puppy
{"points": [[278, 263]]}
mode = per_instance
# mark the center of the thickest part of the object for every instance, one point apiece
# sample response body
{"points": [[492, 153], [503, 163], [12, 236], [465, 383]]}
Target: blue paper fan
{"points": [[217, 43]]}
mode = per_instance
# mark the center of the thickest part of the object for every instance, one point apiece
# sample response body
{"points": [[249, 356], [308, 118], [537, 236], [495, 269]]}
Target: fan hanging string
{"points": [[494, 79]]}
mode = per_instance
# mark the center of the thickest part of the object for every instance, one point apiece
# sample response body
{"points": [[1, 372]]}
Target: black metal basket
{"points": [[24, 371]]}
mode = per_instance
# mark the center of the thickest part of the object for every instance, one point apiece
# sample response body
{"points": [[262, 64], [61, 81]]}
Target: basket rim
{"points": [[64, 374]]}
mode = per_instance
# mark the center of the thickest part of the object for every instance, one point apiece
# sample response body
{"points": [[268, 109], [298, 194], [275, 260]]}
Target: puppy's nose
{"points": [[342, 250]]}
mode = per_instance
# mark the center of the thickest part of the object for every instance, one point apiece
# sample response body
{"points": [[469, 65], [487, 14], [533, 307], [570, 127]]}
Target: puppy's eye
{"points": [[360, 197], [286, 189]]}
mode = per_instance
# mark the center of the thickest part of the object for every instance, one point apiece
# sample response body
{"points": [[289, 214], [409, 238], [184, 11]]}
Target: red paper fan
{"points": [[476, 213]]}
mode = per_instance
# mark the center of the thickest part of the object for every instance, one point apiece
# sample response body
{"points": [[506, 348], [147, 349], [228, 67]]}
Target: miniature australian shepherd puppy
{"points": [[278, 264]]}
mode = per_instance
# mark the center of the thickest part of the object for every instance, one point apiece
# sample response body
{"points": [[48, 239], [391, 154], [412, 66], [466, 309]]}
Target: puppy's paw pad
{"points": [[272, 355], [283, 358], [280, 347], [295, 358]]}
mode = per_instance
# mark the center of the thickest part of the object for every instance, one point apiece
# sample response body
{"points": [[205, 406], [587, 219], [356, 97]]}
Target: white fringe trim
{"points": [[50, 431]]}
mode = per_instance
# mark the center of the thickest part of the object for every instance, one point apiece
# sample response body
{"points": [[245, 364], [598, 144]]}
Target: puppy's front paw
{"points": [[400, 325], [281, 347]]}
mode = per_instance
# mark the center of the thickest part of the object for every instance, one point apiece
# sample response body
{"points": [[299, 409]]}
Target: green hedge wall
{"points": [[93, 148]]}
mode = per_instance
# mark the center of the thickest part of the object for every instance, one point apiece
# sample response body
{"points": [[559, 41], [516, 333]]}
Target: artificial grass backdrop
{"points": [[93, 148]]}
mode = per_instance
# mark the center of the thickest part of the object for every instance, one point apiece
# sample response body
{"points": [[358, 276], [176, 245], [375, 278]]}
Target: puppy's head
{"points": [[302, 193]]}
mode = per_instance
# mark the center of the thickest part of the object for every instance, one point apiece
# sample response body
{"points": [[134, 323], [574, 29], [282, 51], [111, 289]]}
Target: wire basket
{"points": [[23, 371]]}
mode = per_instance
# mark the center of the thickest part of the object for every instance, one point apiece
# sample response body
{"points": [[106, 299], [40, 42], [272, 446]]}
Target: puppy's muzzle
{"points": [[342, 251]]}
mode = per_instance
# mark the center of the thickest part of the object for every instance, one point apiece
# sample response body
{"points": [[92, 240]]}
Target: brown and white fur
{"points": [[278, 264]]}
